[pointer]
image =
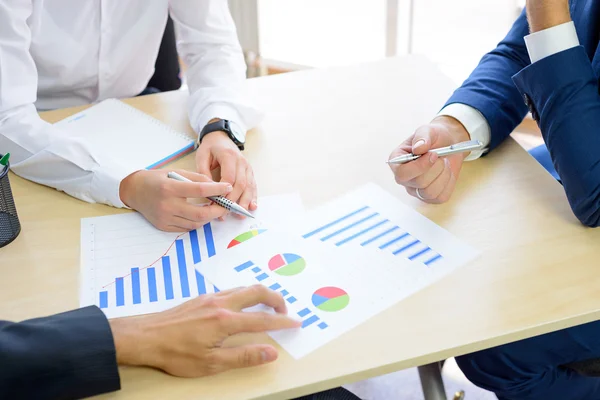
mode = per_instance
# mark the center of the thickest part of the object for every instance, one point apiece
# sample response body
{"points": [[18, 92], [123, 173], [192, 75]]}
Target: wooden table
{"points": [[327, 131]]}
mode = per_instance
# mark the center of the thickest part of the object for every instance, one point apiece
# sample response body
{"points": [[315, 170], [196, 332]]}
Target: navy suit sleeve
{"points": [[64, 356], [563, 88], [490, 88]]}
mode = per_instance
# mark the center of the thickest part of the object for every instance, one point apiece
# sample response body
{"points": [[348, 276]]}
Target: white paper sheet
{"points": [[128, 267], [308, 273]]}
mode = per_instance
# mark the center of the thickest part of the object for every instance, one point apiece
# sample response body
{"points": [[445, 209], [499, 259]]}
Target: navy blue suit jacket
{"points": [[65, 356], [563, 94]]}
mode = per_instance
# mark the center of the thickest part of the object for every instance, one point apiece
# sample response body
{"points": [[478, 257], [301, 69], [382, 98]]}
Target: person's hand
{"points": [[544, 14], [163, 201], [188, 340], [218, 150], [431, 178]]}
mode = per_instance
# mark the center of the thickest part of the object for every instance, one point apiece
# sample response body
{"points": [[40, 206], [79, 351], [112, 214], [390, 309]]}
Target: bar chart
{"points": [[138, 271], [367, 227], [182, 271], [264, 277]]}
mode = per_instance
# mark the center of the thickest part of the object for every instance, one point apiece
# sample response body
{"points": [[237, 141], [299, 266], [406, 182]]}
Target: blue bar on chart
{"points": [[284, 293], [200, 283], [337, 221], [275, 286], [408, 246], [309, 321], [352, 225], [304, 312], [135, 286], [367, 230], [291, 299], [104, 299], [168, 278], [120, 292], [183, 275], [210, 243], [152, 292], [322, 325], [262, 277], [244, 266], [256, 269], [391, 242], [379, 236], [420, 253], [434, 259], [195, 246]]}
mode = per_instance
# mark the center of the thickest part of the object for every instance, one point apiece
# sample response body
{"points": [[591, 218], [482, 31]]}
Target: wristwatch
{"points": [[232, 130]]}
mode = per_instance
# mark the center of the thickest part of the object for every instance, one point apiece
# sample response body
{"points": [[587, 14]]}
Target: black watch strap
{"points": [[220, 125]]}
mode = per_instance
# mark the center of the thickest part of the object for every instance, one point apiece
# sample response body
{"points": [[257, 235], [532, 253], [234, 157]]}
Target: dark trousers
{"points": [[533, 369], [166, 68], [333, 394]]}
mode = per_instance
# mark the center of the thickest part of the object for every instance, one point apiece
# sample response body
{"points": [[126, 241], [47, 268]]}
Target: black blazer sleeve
{"points": [[64, 356]]}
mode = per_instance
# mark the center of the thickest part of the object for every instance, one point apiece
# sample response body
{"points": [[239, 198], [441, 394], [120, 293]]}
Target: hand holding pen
{"points": [[457, 148], [428, 163], [164, 201], [219, 200]]}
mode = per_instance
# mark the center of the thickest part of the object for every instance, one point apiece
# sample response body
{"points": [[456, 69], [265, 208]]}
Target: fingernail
{"points": [[420, 143], [266, 357], [229, 188], [254, 204], [433, 157]]}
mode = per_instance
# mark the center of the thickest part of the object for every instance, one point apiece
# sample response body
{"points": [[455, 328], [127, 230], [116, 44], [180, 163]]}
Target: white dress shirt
{"points": [[62, 53], [540, 45]]}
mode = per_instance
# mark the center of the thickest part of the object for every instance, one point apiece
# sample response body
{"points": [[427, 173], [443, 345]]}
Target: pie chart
{"points": [[287, 264], [330, 299], [245, 236]]}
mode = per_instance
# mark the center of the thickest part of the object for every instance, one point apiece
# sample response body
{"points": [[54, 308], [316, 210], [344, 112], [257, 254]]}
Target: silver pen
{"points": [[220, 200], [442, 151]]}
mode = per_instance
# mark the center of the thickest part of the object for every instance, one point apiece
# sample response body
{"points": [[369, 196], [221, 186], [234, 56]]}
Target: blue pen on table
{"points": [[220, 200]]}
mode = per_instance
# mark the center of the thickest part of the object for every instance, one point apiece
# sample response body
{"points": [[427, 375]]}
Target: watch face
{"points": [[237, 132]]}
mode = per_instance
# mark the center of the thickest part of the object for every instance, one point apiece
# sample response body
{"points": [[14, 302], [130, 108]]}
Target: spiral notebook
{"points": [[128, 136]]}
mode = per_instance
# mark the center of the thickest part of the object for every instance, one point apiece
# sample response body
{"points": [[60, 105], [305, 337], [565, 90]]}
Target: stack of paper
{"points": [[336, 266]]}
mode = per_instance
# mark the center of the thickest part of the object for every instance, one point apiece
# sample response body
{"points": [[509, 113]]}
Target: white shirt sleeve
{"points": [[39, 151], [209, 46], [474, 122], [550, 41]]}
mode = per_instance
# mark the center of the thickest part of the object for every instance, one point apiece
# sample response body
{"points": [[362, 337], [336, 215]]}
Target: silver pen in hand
{"points": [[443, 151], [220, 200]]}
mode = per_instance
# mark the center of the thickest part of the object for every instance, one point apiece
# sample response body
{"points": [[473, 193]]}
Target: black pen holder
{"points": [[9, 220]]}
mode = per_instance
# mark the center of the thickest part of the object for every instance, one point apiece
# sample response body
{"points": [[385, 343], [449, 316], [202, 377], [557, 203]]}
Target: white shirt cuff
{"points": [[474, 122], [106, 185], [550, 41]]}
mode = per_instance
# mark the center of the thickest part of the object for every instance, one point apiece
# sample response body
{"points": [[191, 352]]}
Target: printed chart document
{"points": [[336, 266], [128, 267], [371, 218], [329, 289]]}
